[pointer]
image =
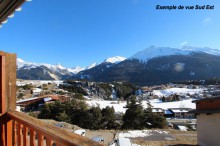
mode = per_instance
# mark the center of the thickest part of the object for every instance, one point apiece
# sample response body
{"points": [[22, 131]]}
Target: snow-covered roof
{"points": [[47, 99], [140, 133], [156, 110], [124, 142], [80, 132], [179, 111], [168, 112], [182, 128], [29, 99], [37, 90], [98, 139]]}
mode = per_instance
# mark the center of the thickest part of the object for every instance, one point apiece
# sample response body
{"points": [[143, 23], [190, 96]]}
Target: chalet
{"points": [[181, 113], [16, 128], [36, 102], [158, 111], [208, 121]]}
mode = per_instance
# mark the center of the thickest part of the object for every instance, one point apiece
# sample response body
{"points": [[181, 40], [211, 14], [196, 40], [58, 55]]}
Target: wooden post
{"points": [[2, 85], [2, 100], [10, 80]]}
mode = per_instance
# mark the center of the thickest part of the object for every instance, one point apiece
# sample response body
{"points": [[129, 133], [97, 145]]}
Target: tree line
{"points": [[79, 113]]}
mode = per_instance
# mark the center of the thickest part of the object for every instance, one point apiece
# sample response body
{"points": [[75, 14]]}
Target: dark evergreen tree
{"points": [[152, 120], [134, 115], [96, 117], [63, 117], [163, 99], [109, 118]]}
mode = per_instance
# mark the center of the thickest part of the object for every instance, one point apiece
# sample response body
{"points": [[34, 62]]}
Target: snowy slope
{"points": [[153, 52], [21, 63], [57, 68], [115, 59], [178, 91], [76, 69], [119, 106], [92, 65]]}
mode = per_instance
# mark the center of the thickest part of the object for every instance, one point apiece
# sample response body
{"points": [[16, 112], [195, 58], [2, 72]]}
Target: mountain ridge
{"points": [[54, 71], [153, 65], [152, 52]]}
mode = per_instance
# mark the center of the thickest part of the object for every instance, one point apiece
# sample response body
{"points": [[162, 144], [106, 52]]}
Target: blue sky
{"points": [[80, 32]]}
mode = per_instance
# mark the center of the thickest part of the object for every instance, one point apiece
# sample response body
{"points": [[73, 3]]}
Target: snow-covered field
{"points": [[37, 82], [140, 133], [183, 128], [119, 106], [179, 91]]}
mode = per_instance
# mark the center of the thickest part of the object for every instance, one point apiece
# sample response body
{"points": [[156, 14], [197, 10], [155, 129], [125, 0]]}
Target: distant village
{"points": [[32, 95]]}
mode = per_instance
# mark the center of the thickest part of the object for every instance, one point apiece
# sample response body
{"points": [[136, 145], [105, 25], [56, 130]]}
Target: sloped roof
{"points": [[208, 99], [7, 8]]}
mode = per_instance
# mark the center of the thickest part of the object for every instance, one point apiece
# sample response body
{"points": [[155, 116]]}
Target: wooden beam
{"points": [[7, 7]]}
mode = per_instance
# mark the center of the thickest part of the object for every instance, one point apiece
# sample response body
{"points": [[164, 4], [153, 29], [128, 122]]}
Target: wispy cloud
{"points": [[183, 43], [207, 21]]}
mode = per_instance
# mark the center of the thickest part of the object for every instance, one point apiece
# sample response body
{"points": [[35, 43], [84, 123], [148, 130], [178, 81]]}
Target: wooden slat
{"points": [[48, 142], [40, 139], [32, 137], [3, 138], [14, 133], [25, 136], [19, 131], [9, 132]]}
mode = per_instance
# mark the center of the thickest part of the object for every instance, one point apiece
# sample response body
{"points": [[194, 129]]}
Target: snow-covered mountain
{"points": [[57, 68], [159, 65], [154, 65], [30, 70], [76, 69], [153, 52]]}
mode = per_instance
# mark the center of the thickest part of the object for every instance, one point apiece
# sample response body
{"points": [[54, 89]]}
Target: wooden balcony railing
{"points": [[22, 130], [18, 129]]}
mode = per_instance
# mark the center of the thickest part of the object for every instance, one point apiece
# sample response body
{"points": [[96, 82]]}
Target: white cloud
{"points": [[183, 43], [207, 21]]}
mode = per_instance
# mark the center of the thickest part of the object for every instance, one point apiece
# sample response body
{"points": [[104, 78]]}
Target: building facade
{"points": [[208, 121]]}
